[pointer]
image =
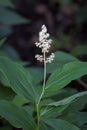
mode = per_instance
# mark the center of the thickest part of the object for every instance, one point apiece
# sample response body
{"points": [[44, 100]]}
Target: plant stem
{"points": [[38, 116], [44, 81], [43, 89]]}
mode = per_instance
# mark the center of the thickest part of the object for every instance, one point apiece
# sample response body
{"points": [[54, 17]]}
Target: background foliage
{"points": [[20, 22]]}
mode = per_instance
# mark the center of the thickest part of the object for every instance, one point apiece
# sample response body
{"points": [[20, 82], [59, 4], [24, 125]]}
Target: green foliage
{"points": [[67, 100], [61, 77], [79, 50], [6, 3], [60, 108], [16, 116], [8, 18], [9, 51], [2, 41], [60, 59], [60, 124], [14, 75], [78, 118]]}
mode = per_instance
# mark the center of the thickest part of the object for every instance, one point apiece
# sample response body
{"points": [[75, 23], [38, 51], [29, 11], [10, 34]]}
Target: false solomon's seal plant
{"points": [[42, 103], [45, 44]]}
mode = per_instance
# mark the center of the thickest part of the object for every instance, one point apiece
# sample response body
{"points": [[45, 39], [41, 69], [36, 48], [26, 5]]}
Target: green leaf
{"points": [[60, 78], [12, 74], [77, 105], [6, 3], [5, 30], [2, 41], [43, 126], [77, 118], [58, 124], [53, 111], [60, 59], [16, 116], [56, 109], [37, 74], [9, 17], [9, 52], [19, 100], [68, 100]]}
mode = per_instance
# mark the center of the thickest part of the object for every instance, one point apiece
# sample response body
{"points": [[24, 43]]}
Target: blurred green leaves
{"points": [[60, 59], [79, 50], [9, 51], [6, 3], [8, 18]]}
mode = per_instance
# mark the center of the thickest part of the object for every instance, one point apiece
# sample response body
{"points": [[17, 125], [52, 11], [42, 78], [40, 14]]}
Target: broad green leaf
{"points": [[77, 118], [60, 106], [46, 101], [60, 78], [16, 116], [43, 126], [77, 105], [64, 93], [58, 124], [5, 30], [53, 111], [64, 99], [68, 100], [15, 76], [9, 17], [60, 59], [37, 74], [9, 52], [6, 3], [29, 109], [19, 100]]}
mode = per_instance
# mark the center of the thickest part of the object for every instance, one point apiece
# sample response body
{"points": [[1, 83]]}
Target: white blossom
{"points": [[39, 57], [50, 58], [45, 44]]}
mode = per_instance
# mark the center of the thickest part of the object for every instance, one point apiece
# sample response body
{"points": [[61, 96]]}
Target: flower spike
{"points": [[45, 44]]}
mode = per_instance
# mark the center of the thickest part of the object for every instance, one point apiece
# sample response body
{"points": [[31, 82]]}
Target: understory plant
{"points": [[48, 105]]}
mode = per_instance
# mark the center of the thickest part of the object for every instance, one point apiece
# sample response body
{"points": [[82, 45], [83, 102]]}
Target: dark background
{"points": [[66, 21]]}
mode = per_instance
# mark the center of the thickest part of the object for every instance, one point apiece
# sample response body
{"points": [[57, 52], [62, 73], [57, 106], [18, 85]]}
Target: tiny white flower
{"points": [[45, 44], [50, 58], [39, 57]]}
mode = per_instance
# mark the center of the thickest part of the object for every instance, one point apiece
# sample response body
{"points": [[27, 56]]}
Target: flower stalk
{"points": [[45, 44]]}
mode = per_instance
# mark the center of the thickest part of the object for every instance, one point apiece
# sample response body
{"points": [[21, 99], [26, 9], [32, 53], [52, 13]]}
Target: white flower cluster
{"points": [[50, 58], [45, 44]]}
